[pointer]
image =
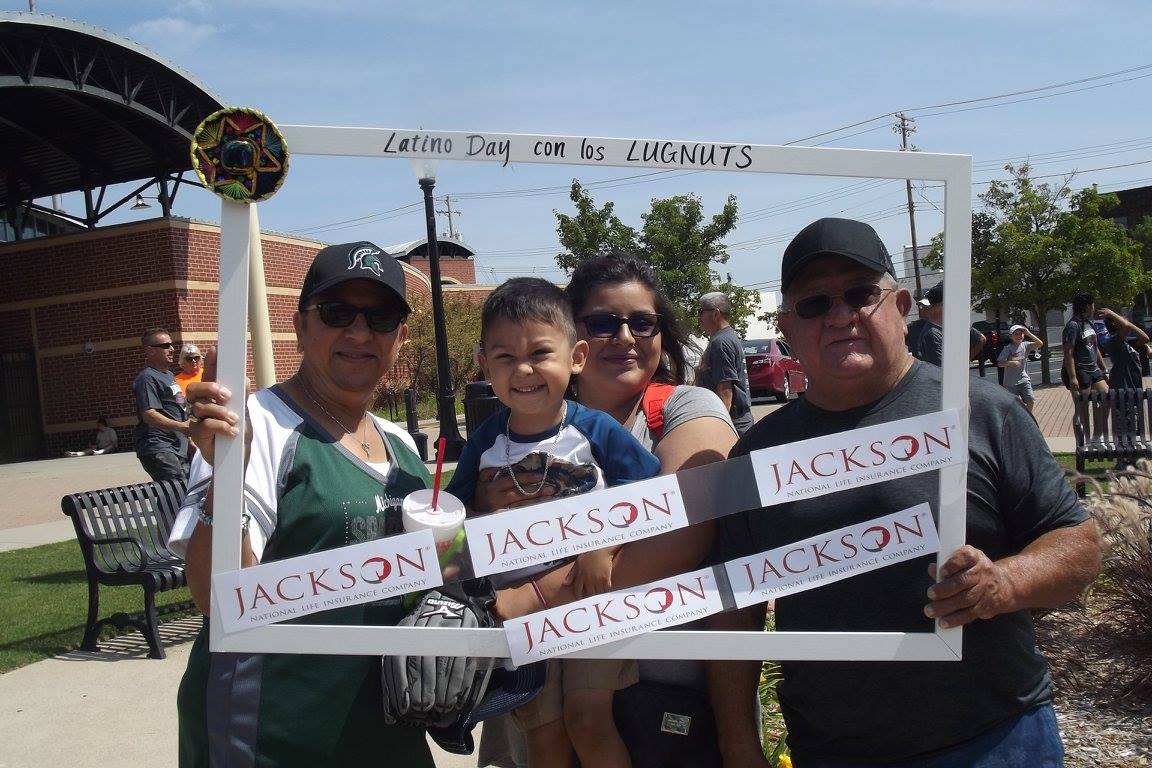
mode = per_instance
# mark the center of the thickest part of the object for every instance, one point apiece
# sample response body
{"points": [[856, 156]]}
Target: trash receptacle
{"points": [[479, 403]]}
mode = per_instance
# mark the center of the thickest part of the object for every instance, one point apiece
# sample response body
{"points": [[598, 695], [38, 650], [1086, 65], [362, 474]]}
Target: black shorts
{"points": [[1084, 379]]}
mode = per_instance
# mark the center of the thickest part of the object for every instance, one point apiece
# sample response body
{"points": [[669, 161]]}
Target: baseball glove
{"points": [[432, 691]]}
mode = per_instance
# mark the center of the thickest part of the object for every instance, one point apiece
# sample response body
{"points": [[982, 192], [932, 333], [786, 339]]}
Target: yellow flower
{"points": [[784, 761]]}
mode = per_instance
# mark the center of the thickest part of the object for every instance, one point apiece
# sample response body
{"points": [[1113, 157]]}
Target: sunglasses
{"points": [[337, 314], [857, 298], [193, 358], [166, 345], [604, 325]]}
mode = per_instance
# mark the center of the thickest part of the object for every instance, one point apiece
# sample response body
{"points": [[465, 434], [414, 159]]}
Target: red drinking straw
{"points": [[440, 446]]}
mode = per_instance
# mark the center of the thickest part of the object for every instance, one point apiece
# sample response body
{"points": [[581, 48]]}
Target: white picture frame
{"points": [[238, 221]]}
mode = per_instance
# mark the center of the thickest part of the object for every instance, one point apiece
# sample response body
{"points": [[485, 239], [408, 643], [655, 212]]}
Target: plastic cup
{"points": [[445, 522]]}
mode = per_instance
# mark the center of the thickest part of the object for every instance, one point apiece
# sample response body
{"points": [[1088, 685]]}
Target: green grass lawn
{"points": [[45, 603]]}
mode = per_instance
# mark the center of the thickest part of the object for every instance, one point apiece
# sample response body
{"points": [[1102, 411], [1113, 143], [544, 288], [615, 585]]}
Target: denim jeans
{"points": [[1031, 740]]}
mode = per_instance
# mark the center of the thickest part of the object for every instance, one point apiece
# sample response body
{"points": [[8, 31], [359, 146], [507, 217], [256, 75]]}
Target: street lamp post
{"points": [[445, 397]]}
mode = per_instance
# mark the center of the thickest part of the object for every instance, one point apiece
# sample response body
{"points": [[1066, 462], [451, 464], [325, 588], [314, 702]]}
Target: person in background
{"points": [[1030, 544], [1013, 359], [1083, 368], [1125, 373], [191, 367], [925, 339], [722, 368], [161, 434], [104, 441]]}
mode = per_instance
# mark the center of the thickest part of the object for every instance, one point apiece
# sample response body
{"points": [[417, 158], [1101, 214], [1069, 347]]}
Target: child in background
{"points": [[530, 352], [1013, 359]]}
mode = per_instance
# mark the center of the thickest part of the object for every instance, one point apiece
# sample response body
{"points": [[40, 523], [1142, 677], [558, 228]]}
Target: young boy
{"points": [[1014, 360], [530, 353]]}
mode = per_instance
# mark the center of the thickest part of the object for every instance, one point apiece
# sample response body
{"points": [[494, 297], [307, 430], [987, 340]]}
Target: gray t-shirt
{"points": [[723, 360], [1013, 375], [896, 711], [158, 390], [1080, 334], [683, 405]]}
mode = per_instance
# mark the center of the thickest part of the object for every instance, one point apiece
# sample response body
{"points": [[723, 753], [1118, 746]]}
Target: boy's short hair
{"points": [[524, 299]]}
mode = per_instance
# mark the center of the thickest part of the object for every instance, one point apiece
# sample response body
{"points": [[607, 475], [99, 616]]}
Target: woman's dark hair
{"points": [[1081, 302], [615, 268]]}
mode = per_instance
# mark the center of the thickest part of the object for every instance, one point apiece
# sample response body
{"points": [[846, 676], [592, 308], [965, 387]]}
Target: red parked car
{"points": [[772, 370]]}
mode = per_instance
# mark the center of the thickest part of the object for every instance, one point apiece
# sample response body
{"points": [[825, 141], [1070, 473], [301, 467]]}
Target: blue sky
{"points": [[749, 72]]}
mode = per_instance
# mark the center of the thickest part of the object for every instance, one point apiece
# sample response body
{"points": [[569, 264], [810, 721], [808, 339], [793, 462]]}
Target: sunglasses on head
{"points": [[165, 345], [858, 297], [338, 314], [605, 325]]}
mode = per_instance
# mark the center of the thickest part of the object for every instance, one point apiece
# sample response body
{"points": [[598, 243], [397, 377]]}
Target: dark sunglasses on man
{"points": [[605, 325], [165, 345], [857, 297], [339, 314]]}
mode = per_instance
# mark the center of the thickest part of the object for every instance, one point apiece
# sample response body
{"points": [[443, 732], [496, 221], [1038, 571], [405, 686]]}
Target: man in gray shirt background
{"points": [[722, 367], [161, 442]]}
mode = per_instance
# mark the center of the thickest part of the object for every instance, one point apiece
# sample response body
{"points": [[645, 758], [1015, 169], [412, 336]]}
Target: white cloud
{"points": [[193, 7], [171, 35]]}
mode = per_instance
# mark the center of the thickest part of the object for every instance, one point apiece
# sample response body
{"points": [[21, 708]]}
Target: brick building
{"points": [[72, 308]]}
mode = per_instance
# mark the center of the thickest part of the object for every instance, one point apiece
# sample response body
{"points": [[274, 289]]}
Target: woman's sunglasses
{"points": [[604, 325], [337, 314], [859, 297], [193, 358]]}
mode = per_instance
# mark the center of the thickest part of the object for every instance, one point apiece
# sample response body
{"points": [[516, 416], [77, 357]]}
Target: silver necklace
{"points": [[547, 457], [363, 440]]}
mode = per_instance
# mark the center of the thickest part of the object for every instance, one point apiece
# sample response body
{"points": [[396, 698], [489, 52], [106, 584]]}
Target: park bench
{"points": [[1123, 427], [123, 535]]}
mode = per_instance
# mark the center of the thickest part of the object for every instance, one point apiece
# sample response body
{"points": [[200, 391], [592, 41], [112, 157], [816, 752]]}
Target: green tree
{"points": [[675, 237], [744, 303], [591, 231], [416, 363], [1035, 245]]}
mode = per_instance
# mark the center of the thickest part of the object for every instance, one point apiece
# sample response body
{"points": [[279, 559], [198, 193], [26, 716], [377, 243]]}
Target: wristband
{"points": [[539, 594]]}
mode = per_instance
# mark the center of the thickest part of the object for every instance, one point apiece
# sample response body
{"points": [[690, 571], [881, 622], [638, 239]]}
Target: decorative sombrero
{"points": [[239, 154]]}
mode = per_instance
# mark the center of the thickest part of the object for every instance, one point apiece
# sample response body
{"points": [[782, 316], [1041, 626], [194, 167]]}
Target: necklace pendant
{"points": [[367, 449]]}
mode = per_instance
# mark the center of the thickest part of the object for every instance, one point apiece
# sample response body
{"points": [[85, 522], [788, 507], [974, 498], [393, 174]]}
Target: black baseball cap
{"points": [[834, 237], [935, 294], [353, 261]]}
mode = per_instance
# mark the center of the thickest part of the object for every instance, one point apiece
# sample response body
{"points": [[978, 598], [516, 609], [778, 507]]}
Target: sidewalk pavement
{"points": [[70, 710]]}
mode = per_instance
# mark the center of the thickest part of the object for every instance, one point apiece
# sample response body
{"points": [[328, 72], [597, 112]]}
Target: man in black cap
{"points": [[926, 336], [1030, 544]]}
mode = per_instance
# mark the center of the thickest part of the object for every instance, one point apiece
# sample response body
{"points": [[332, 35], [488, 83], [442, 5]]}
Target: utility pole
{"points": [[905, 126], [450, 213]]}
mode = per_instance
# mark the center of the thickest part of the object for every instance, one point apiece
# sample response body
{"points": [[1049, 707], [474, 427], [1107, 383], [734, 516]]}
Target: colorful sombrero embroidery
{"points": [[239, 154]]}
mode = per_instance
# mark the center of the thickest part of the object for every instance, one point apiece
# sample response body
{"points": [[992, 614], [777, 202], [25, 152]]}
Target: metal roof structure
{"points": [[449, 248], [82, 109]]}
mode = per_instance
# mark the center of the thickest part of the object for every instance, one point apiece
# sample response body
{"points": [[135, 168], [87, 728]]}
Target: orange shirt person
{"points": [[191, 367]]}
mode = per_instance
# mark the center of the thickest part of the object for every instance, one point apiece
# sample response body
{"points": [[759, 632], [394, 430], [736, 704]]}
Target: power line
{"points": [[981, 99]]}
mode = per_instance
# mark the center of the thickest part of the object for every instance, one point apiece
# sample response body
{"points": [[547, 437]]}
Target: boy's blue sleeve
{"points": [[464, 479], [619, 454]]}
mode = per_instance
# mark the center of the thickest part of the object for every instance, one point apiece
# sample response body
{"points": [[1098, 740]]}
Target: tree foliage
{"points": [[1036, 245], [675, 238], [416, 363]]}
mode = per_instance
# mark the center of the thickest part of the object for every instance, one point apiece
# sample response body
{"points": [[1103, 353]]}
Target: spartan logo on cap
{"points": [[366, 258]]}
